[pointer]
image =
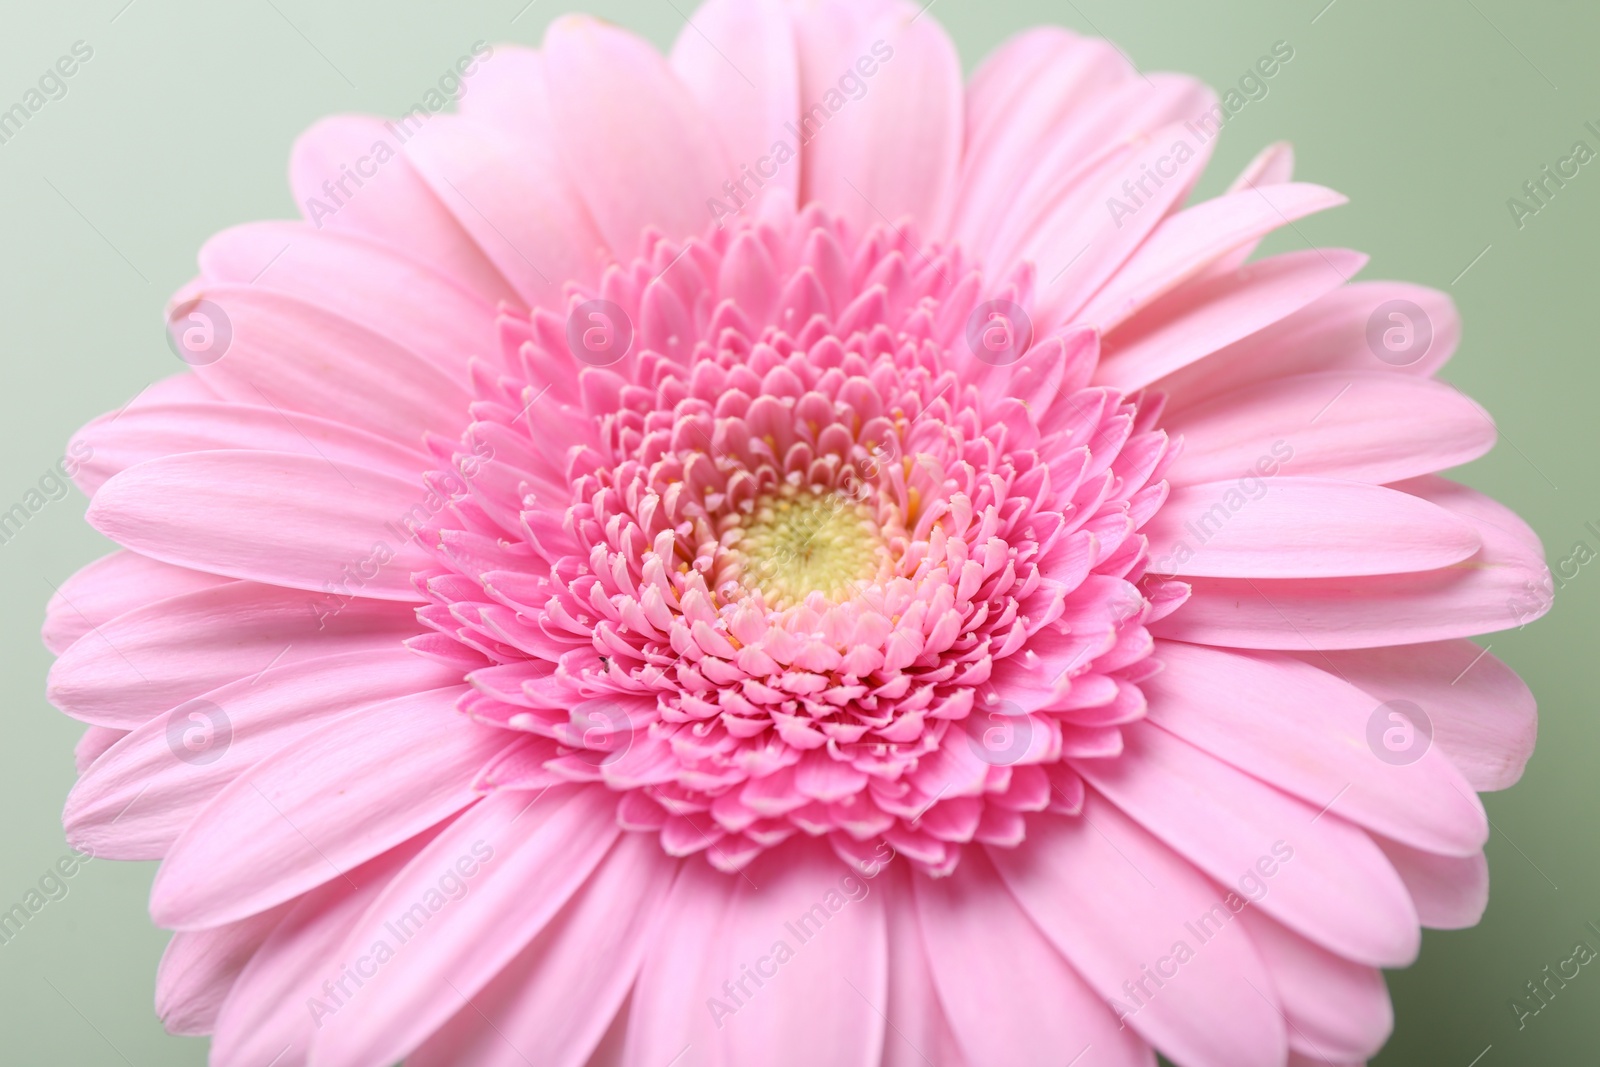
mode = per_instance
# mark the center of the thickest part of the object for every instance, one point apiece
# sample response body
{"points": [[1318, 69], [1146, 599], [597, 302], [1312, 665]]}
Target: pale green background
{"points": [[1428, 114]]}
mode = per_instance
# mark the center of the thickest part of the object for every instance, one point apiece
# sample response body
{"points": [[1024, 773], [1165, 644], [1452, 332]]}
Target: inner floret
{"points": [[796, 542]]}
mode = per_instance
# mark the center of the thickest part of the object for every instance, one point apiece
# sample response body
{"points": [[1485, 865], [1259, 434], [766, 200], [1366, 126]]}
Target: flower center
{"points": [[795, 542]]}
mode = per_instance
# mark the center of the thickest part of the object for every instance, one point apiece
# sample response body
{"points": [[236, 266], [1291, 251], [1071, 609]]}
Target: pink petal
{"points": [[154, 658], [1023, 1005], [917, 1027], [1041, 81], [114, 585], [200, 967], [150, 431], [668, 1015], [1484, 717], [294, 355], [394, 206], [321, 806], [1505, 585], [1211, 313], [1337, 1010], [1305, 731], [532, 852], [1320, 876], [1294, 527], [136, 802], [1451, 892], [552, 1005], [620, 112], [738, 60], [357, 278], [208, 511], [1089, 235], [892, 149], [1328, 335], [1368, 427], [287, 990], [1113, 900], [1190, 240], [506, 185]]}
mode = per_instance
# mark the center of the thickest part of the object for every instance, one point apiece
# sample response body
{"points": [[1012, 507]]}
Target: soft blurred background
{"points": [[1428, 114]]}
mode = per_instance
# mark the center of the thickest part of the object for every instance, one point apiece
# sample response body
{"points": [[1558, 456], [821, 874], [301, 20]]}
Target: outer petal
{"points": [[1113, 900], [507, 187], [137, 800], [287, 992], [1484, 717], [894, 148], [1305, 731], [361, 280], [114, 585], [738, 59], [154, 658], [1319, 875], [918, 1030], [395, 208], [1451, 892], [200, 967], [209, 510], [1191, 240], [621, 114], [1035, 85], [151, 431], [532, 852], [1009, 995], [1369, 427], [1328, 335], [1302, 528], [1504, 585], [321, 806], [552, 1004], [1337, 1010], [1216, 311]]}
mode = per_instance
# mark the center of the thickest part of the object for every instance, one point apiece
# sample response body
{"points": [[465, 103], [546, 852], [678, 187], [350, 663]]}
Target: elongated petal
{"points": [[1024, 1005], [1306, 731], [321, 806], [151, 659], [1115, 901], [207, 511], [1296, 527]]}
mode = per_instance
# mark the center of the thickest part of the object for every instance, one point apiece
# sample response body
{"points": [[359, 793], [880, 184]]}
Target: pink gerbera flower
{"points": [[772, 556]]}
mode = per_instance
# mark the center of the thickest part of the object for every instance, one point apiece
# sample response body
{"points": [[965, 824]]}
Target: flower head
{"points": [[772, 555]]}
